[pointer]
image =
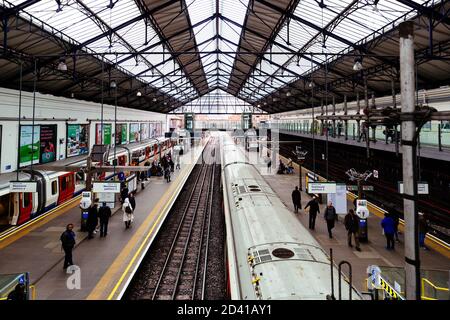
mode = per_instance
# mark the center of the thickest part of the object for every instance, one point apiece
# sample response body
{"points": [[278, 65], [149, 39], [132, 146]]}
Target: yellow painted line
{"points": [[38, 222], [430, 240], [102, 285]]}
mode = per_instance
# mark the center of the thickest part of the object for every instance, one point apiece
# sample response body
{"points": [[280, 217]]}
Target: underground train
{"points": [[55, 188], [270, 254]]}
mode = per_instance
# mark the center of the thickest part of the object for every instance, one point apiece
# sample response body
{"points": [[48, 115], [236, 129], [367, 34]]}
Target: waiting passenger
{"points": [[388, 228], [92, 219], [296, 199], [167, 174], [68, 242], [290, 168], [104, 213], [423, 229], [281, 168], [128, 215], [132, 200], [313, 210], [18, 294], [330, 217], [351, 223]]}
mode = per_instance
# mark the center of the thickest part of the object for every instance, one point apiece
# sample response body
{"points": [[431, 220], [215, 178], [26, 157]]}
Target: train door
{"points": [[6, 209], [155, 151], [25, 201], [66, 187]]}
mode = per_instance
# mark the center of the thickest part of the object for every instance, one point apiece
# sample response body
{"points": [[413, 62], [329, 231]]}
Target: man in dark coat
{"points": [[68, 242], [351, 223], [19, 293], [132, 200], [92, 219], [423, 229], [330, 216], [296, 199], [104, 213], [313, 210]]}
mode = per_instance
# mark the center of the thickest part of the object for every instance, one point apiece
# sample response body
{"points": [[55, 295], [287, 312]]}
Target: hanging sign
{"points": [[106, 187], [321, 187], [422, 187], [21, 186]]}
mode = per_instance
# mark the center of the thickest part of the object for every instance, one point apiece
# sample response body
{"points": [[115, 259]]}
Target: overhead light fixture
{"points": [[72, 95], [358, 65], [139, 93], [113, 84], [154, 99], [259, 106], [62, 66], [265, 103], [288, 94], [311, 84], [165, 103]]}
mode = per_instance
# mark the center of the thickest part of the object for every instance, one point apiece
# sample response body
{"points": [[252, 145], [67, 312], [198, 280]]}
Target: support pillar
{"points": [[407, 81]]}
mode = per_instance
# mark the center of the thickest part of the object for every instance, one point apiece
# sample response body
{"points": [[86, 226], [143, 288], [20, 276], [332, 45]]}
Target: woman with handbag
{"points": [[128, 215]]}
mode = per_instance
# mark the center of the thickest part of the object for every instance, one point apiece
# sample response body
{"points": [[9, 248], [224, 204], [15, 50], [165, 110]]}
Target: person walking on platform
{"points": [[132, 200], [396, 219], [296, 199], [167, 174], [313, 210], [123, 193], [178, 162], [92, 219], [269, 165], [67, 243], [128, 216], [423, 229], [104, 213], [351, 223], [330, 217], [388, 228]]}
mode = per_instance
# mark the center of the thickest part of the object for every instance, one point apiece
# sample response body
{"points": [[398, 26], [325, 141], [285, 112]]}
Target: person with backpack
{"points": [[104, 213], [128, 216], [67, 243], [330, 217], [19, 293]]}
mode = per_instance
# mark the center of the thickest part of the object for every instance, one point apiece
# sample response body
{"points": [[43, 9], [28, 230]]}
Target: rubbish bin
{"points": [[363, 230], [84, 217]]}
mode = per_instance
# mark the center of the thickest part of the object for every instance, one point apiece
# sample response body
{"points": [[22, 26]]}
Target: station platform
{"points": [[372, 253], [105, 264]]}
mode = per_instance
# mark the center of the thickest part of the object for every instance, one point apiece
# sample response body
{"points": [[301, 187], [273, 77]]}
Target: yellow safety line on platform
{"points": [[36, 223], [433, 242], [102, 285]]}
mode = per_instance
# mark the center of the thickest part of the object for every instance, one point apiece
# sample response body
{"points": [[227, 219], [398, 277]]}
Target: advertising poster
{"points": [[134, 132], [106, 133], [144, 131], [124, 133], [29, 145], [121, 133], [77, 139], [48, 143]]}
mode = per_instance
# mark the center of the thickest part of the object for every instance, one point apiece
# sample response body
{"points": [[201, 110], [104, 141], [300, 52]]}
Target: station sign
{"points": [[352, 188], [321, 187], [422, 187], [23, 186], [367, 188], [106, 187]]}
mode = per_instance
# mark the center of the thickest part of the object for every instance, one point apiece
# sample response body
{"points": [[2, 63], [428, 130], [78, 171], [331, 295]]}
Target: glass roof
{"points": [[232, 9], [76, 20], [363, 19], [218, 101]]}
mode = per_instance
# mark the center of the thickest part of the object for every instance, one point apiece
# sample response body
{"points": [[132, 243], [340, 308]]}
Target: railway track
{"points": [[177, 265]]}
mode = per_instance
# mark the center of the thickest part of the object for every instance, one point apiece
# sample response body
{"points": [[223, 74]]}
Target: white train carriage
{"points": [[270, 254]]}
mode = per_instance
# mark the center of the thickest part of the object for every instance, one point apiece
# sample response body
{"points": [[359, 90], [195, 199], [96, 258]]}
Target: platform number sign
{"points": [[375, 174]]}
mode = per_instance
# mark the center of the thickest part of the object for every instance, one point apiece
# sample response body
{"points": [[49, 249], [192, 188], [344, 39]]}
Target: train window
{"points": [[54, 187], [445, 125], [79, 178], [63, 184], [25, 200]]}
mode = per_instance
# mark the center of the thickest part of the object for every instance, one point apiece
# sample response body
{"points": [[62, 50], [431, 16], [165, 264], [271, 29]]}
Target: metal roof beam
{"points": [[429, 12]]}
